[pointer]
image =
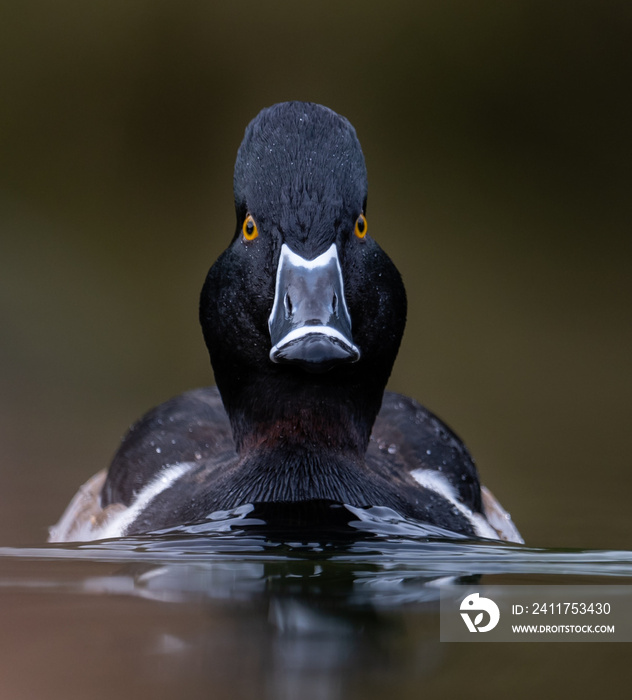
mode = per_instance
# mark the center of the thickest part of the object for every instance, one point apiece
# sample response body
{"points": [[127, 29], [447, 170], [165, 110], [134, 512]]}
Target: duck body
{"points": [[303, 316]]}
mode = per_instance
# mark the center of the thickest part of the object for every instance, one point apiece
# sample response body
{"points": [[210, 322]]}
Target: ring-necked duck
{"points": [[302, 316]]}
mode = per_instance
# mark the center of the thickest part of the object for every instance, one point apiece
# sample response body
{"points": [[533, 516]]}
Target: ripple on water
{"points": [[367, 555]]}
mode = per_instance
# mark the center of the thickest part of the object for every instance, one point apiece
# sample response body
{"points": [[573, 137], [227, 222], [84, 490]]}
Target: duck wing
{"points": [[189, 428], [409, 439], [174, 438]]}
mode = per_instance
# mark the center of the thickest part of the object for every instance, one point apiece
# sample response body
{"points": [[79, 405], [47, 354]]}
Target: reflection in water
{"points": [[236, 604]]}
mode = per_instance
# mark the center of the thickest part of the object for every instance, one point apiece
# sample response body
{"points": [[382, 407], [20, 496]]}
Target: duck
{"points": [[302, 315]]}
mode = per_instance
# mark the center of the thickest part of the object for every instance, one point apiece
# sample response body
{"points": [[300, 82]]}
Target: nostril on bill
{"points": [[287, 302]]}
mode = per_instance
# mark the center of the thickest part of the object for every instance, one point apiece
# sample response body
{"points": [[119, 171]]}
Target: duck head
{"points": [[303, 313]]}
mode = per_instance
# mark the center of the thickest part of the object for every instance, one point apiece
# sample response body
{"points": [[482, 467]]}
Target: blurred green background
{"points": [[497, 139]]}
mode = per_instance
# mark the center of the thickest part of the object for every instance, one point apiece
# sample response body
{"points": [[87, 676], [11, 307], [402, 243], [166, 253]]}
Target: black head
{"points": [[300, 172], [303, 313]]}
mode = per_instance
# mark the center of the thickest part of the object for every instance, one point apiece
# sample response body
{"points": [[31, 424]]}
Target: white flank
{"points": [[85, 520], [117, 526], [433, 480]]}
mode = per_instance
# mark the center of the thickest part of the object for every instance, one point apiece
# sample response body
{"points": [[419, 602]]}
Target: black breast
{"points": [[194, 427]]}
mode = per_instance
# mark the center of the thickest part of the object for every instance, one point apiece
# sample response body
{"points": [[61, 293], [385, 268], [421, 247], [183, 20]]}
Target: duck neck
{"points": [[303, 452], [303, 418]]}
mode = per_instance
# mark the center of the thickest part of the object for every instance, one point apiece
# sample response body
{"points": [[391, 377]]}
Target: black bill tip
{"points": [[315, 349]]}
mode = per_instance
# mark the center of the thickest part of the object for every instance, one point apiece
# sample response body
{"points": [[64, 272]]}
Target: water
{"points": [[237, 608]]}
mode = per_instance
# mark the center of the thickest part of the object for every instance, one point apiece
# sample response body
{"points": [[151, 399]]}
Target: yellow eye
{"points": [[361, 226], [249, 229]]}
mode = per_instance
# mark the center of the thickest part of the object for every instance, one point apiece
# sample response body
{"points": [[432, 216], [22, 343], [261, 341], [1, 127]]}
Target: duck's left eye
{"points": [[361, 226], [249, 229]]}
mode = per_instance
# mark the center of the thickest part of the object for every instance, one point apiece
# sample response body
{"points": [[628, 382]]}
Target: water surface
{"points": [[236, 608]]}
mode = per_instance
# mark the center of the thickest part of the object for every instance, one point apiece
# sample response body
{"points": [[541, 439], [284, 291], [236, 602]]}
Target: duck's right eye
{"points": [[249, 229], [361, 226]]}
